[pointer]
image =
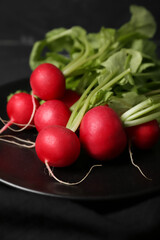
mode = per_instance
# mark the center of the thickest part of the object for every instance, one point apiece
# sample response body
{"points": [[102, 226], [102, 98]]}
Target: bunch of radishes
{"points": [[115, 71], [101, 131]]}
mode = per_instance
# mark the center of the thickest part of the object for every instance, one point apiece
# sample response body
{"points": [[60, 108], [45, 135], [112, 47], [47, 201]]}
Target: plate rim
{"points": [[81, 198]]}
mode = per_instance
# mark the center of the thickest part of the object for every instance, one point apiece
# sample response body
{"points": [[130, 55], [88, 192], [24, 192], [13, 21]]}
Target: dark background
{"points": [[23, 22], [28, 216], [32, 19]]}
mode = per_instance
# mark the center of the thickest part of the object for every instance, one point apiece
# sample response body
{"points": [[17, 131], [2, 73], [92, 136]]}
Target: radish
{"points": [[47, 82], [70, 97], [20, 110], [144, 136], [58, 146], [102, 133], [51, 112]]}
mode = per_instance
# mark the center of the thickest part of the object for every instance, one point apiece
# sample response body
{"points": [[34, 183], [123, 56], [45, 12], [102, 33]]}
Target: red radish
{"points": [[70, 97], [51, 112], [102, 134], [20, 109], [47, 82], [58, 146], [144, 136]]}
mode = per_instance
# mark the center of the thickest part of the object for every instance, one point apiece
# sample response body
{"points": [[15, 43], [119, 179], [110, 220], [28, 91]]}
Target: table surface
{"points": [[25, 215]]}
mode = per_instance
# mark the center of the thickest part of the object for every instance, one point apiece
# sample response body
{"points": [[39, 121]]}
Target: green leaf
{"points": [[116, 62], [125, 102], [100, 98], [135, 60], [35, 57], [146, 66], [141, 24], [145, 46]]}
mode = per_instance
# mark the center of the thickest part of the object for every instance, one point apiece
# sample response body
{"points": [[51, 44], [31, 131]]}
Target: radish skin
{"points": [[47, 82], [70, 97], [20, 109], [102, 133], [51, 112], [58, 146], [144, 136]]}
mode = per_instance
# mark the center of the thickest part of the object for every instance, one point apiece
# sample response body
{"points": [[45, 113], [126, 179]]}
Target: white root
{"points": [[135, 165], [29, 144], [69, 183], [16, 124]]}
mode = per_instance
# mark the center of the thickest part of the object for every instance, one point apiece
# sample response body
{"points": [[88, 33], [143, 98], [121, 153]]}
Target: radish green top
{"points": [[118, 67]]}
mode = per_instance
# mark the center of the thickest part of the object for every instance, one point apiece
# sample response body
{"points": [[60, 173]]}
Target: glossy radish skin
{"points": [[47, 82], [20, 108], [144, 136], [102, 134], [70, 97], [51, 112], [57, 145]]}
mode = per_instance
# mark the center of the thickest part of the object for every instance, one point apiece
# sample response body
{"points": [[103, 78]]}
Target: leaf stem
{"points": [[141, 120], [79, 102], [142, 112], [68, 69], [138, 107], [105, 84], [55, 37], [84, 59]]}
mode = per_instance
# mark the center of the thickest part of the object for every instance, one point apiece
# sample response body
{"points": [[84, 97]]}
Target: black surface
{"points": [[25, 215], [115, 180]]}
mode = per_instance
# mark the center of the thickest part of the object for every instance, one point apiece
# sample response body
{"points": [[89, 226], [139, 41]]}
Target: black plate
{"points": [[116, 179]]}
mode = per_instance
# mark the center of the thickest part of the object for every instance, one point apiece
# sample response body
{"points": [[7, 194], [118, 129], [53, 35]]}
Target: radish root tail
{"points": [[7, 125], [29, 144], [135, 165], [70, 183], [16, 124]]}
